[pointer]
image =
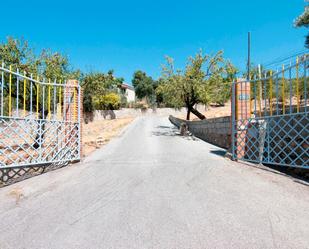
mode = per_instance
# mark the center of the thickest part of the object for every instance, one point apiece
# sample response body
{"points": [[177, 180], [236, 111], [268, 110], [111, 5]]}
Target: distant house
{"points": [[128, 92]]}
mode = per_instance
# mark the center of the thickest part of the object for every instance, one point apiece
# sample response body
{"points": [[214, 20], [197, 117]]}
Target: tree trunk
{"points": [[197, 113], [188, 113]]}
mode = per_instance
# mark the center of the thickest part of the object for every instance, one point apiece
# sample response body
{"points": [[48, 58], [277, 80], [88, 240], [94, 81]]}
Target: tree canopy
{"points": [[206, 79], [100, 90], [47, 64], [303, 21], [143, 85]]}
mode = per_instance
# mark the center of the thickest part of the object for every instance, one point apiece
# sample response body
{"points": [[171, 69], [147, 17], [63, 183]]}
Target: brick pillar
{"points": [[70, 111], [81, 121], [70, 108], [242, 114]]}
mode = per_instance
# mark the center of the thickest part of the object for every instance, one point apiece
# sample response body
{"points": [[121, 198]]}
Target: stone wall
{"points": [[216, 131]]}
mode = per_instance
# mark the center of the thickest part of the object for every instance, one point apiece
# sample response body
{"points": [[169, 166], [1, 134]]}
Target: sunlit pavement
{"points": [[151, 188]]}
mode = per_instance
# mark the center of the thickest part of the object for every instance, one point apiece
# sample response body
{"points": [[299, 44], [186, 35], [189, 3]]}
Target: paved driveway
{"points": [[150, 188]]}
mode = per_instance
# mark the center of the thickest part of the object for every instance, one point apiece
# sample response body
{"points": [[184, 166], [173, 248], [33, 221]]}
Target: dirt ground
{"points": [[98, 133]]}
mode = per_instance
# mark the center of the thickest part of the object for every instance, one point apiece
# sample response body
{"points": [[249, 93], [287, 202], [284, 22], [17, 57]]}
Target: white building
{"points": [[129, 92]]}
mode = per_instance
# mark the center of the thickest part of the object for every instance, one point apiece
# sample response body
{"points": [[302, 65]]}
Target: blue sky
{"points": [[130, 35]]}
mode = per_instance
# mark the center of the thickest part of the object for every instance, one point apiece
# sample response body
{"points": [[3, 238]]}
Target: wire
{"points": [[285, 56], [281, 59]]}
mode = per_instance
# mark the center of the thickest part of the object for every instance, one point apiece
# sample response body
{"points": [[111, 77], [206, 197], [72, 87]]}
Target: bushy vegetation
{"points": [[145, 87], [206, 79], [46, 64], [101, 90], [110, 101], [303, 21]]}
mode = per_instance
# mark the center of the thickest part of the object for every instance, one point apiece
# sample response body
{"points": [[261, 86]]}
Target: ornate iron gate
{"points": [[39, 121], [270, 117]]}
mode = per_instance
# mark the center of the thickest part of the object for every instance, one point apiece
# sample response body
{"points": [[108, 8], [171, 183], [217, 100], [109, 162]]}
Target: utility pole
{"points": [[249, 51]]}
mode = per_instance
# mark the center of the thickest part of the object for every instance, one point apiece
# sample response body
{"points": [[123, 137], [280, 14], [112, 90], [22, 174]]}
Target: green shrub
{"points": [[110, 101]]}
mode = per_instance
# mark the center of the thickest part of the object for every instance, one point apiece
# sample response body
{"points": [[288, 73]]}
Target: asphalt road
{"points": [[151, 188]]}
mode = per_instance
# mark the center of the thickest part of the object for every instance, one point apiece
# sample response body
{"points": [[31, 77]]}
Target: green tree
{"points": [[144, 86], [54, 65], [18, 54], [219, 84], [197, 84], [96, 86], [48, 65], [303, 21], [158, 95]]}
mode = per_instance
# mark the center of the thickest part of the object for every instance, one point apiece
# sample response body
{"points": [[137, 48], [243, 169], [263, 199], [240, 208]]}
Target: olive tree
{"points": [[204, 80]]}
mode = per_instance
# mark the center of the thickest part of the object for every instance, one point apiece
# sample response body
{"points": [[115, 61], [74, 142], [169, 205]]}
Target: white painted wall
{"points": [[130, 94]]}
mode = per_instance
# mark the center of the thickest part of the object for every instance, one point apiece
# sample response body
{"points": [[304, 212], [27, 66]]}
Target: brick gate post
{"points": [[71, 100], [81, 120], [242, 113], [72, 113]]}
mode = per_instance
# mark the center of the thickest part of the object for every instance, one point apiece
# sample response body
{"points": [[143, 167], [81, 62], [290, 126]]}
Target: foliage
{"points": [[303, 21], [55, 66], [144, 86], [206, 79], [98, 85], [158, 96], [219, 84], [18, 54], [47, 65], [110, 101]]}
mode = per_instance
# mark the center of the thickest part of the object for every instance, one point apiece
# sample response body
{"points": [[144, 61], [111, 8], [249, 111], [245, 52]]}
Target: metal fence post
{"points": [[233, 120]]}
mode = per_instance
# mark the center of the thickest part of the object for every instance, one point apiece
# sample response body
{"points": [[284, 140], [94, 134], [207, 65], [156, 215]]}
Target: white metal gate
{"points": [[270, 117], [39, 120]]}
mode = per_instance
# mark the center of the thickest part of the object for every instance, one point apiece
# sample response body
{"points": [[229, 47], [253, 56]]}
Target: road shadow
{"points": [[165, 127], [220, 153], [166, 131], [296, 175], [299, 175], [169, 131]]}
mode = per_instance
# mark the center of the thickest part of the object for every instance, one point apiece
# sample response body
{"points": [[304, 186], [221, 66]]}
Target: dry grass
{"points": [[98, 133]]}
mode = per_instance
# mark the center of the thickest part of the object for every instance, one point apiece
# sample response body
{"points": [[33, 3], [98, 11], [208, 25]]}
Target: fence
{"points": [[39, 121], [270, 117]]}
